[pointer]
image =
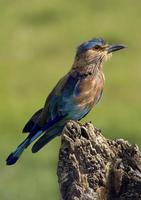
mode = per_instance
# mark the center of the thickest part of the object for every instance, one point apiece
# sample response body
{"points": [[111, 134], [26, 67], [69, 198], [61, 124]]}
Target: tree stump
{"points": [[92, 167]]}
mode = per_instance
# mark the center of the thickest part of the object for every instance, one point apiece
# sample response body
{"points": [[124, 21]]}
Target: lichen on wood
{"points": [[91, 167]]}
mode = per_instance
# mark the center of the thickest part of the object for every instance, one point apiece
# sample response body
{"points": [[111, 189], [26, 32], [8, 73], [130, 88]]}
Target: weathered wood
{"points": [[92, 167]]}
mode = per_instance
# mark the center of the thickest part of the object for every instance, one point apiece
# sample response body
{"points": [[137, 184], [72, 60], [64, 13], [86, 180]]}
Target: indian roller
{"points": [[71, 99]]}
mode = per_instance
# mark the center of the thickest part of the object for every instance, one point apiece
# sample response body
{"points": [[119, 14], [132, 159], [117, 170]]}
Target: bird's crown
{"points": [[90, 44]]}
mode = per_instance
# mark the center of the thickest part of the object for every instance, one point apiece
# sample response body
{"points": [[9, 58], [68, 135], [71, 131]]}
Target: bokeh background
{"points": [[37, 46]]}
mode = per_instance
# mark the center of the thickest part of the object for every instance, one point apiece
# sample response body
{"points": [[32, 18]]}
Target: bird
{"points": [[72, 98]]}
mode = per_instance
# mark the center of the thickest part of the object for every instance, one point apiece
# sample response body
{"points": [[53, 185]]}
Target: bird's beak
{"points": [[115, 47]]}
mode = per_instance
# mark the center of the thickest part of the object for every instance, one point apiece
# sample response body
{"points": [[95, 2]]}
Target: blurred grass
{"points": [[37, 46]]}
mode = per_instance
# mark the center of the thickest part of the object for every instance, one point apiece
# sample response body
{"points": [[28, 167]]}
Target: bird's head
{"points": [[96, 50]]}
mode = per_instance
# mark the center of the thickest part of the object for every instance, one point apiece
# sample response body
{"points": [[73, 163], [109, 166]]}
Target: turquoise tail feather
{"points": [[15, 155], [46, 138]]}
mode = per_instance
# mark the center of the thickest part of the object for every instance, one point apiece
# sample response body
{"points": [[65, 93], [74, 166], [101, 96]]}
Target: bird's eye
{"points": [[97, 47]]}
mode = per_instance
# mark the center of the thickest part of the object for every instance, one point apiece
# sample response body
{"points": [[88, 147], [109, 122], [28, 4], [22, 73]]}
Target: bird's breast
{"points": [[89, 90]]}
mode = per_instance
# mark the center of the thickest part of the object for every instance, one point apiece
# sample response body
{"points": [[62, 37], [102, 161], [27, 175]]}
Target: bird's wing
{"points": [[58, 99], [29, 125], [49, 112]]}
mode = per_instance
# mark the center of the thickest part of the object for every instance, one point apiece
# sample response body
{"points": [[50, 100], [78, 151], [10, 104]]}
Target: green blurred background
{"points": [[37, 46]]}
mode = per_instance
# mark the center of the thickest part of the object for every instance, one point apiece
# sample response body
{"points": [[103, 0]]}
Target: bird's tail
{"points": [[46, 138], [14, 156]]}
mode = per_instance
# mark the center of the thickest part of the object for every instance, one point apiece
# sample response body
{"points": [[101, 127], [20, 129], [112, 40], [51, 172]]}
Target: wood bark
{"points": [[92, 167]]}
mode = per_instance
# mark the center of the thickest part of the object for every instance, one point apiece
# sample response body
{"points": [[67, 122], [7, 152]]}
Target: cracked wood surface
{"points": [[92, 167]]}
